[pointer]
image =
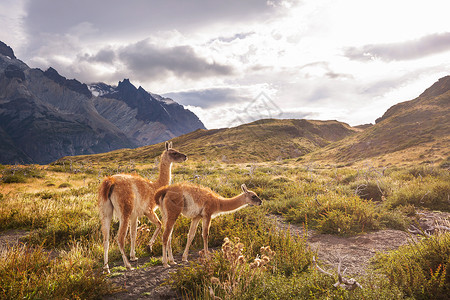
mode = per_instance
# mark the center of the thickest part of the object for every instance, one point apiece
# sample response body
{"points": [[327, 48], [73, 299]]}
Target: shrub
{"points": [[64, 185], [422, 171], [13, 178], [343, 215], [428, 192], [421, 269], [369, 190]]}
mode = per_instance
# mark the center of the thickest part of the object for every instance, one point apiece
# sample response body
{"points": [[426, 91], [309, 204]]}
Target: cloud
{"points": [[408, 50], [106, 55], [152, 60], [115, 17], [208, 98], [229, 39], [321, 69]]}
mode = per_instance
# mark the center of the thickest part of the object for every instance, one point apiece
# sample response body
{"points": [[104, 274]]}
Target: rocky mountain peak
{"points": [[71, 84], [6, 50]]}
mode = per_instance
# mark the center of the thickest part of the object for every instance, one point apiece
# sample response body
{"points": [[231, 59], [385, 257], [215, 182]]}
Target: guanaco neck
{"points": [[165, 172], [232, 204]]}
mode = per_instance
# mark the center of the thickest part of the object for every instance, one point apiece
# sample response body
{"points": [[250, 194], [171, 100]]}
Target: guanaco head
{"points": [[172, 155], [251, 197]]}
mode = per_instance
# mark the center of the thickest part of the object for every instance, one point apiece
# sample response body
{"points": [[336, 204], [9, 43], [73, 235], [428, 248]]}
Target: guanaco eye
{"points": [[253, 197]]}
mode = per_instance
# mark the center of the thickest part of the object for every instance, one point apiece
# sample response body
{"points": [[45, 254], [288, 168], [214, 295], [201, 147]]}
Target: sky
{"points": [[236, 61]]}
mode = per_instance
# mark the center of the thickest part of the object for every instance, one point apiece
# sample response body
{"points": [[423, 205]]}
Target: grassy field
{"points": [[61, 257]]}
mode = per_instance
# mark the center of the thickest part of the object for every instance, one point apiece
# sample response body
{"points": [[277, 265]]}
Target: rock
{"points": [[13, 71], [6, 50], [45, 116]]}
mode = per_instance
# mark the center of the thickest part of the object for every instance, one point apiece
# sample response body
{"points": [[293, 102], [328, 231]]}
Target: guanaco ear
{"points": [[170, 145], [244, 188], [167, 146]]}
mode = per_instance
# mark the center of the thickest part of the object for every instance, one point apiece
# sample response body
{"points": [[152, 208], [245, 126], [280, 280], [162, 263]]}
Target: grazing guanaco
{"points": [[197, 203], [129, 197]]}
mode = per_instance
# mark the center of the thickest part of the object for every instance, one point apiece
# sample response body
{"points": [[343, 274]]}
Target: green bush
{"points": [[64, 185], [343, 215], [14, 178], [369, 190], [421, 269], [428, 192]]}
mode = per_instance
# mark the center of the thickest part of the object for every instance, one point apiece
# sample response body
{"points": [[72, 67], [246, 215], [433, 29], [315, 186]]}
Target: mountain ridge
{"points": [[45, 116]]}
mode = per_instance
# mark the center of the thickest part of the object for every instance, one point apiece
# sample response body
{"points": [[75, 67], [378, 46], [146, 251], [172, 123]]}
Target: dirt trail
{"points": [[355, 251], [145, 283]]}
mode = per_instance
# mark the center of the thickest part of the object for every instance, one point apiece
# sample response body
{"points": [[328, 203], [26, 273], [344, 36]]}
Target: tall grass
{"points": [[32, 273], [64, 251]]}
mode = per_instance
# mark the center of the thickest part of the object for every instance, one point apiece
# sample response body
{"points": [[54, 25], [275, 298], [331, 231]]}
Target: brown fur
{"points": [[197, 203], [130, 197]]}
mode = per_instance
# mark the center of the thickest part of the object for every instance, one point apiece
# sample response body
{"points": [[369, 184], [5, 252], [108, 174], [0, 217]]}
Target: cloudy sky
{"points": [[237, 61]]}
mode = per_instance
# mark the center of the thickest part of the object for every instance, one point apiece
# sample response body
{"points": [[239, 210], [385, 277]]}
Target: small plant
{"points": [[240, 274], [226, 273]]}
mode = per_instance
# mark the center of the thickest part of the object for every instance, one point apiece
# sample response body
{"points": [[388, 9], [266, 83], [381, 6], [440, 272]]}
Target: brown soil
{"points": [[145, 283], [11, 238]]}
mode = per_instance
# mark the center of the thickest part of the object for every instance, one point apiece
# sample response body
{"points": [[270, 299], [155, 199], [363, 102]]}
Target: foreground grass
{"points": [[31, 273], [415, 271], [63, 256]]}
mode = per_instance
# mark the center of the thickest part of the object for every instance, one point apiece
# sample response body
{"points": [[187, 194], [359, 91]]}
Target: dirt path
{"points": [[355, 251], [145, 283]]}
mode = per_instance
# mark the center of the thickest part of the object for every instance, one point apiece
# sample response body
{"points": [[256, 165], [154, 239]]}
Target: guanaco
{"points": [[129, 197], [197, 203]]}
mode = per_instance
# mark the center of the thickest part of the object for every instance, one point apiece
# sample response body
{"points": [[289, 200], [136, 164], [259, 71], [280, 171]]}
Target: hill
{"points": [[415, 130], [262, 140], [45, 116]]}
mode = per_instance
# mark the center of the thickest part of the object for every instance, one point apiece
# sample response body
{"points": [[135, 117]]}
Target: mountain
{"points": [[415, 130], [44, 116], [262, 140], [144, 117]]}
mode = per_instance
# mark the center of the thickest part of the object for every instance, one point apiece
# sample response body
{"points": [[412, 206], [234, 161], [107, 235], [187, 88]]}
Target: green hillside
{"points": [[262, 140], [416, 130]]}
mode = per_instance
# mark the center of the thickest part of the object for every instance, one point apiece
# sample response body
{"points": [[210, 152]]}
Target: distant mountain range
{"points": [[410, 132], [44, 116]]}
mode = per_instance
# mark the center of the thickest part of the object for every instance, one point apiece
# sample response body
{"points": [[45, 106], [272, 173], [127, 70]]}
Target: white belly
{"points": [[191, 209]]}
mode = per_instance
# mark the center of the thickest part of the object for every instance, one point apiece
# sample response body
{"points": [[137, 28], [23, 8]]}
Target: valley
{"points": [[375, 197]]}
